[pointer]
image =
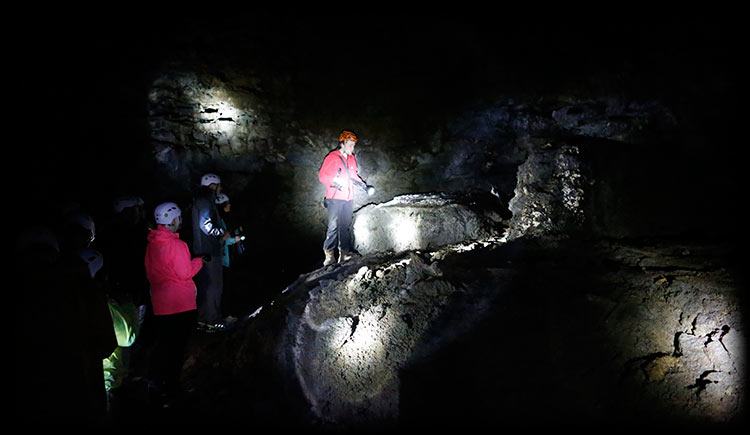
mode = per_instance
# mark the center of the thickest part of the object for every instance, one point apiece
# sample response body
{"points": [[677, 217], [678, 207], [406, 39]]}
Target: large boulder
{"points": [[424, 221]]}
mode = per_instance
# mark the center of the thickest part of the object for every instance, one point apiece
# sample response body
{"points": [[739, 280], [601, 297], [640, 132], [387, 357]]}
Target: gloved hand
{"points": [[336, 184]]}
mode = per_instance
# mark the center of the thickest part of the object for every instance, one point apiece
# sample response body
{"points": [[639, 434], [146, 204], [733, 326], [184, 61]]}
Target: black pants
{"points": [[172, 333], [339, 225]]}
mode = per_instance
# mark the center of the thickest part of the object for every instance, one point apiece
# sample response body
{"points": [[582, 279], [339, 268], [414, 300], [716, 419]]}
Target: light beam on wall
{"points": [[404, 232], [215, 115], [361, 229]]}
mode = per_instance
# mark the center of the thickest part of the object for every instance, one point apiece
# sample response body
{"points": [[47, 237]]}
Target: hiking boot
{"points": [[330, 258], [229, 322], [346, 256]]}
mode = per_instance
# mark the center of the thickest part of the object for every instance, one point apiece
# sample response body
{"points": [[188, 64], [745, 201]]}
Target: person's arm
{"points": [[207, 225], [358, 180], [330, 170], [182, 265], [355, 173]]}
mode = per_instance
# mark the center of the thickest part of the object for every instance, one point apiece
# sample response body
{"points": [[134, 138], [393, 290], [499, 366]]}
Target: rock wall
{"points": [[681, 332], [550, 193], [528, 155], [198, 120]]}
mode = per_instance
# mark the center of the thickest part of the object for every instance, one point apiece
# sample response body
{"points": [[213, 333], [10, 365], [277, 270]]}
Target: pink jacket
{"points": [[170, 272], [333, 168]]}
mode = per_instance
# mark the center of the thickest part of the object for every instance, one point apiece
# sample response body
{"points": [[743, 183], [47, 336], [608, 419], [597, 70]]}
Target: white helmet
{"points": [[93, 259], [124, 202], [222, 198], [210, 179], [85, 221], [166, 212]]}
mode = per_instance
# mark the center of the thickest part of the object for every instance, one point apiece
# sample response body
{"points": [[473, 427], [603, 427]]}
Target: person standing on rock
{"points": [[339, 174], [208, 242]]}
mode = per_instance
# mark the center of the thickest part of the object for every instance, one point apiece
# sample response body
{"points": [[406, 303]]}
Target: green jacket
{"points": [[126, 325]]}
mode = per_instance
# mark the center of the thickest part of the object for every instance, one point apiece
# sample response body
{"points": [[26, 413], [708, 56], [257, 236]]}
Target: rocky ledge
{"points": [[490, 333]]}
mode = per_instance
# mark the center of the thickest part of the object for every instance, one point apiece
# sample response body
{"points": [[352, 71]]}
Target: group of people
{"points": [[117, 301], [139, 290], [186, 285]]}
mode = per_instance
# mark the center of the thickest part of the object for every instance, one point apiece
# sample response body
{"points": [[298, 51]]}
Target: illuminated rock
{"points": [[204, 118], [487, 335], [549, 193], [422, 221], [355, 334]]}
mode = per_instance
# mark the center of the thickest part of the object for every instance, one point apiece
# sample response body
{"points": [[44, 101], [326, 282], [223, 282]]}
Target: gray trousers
{"points": [[210, 283], [339, 225]]}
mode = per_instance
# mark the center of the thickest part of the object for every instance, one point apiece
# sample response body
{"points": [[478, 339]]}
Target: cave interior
{"points": [[441, 104]]}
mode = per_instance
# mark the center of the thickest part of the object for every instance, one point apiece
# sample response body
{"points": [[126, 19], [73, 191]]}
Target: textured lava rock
{"points": [[492, 334], [545, 155], [549, 195], [426, 221], [356, 333]]}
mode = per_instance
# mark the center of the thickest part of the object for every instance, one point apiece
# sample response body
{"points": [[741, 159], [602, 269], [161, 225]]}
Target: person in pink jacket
{"points": [[339, 173], [170, 272]]}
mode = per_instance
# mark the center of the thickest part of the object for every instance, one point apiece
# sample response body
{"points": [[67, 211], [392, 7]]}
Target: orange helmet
{"points": [[346, 135]]}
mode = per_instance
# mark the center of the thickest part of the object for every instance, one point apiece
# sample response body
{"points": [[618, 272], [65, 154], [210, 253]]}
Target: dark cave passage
{"points": [[558, 208]]}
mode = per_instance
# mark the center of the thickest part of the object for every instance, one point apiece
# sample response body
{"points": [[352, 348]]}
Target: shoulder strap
{"points": [[355, 181], [345, 166]]}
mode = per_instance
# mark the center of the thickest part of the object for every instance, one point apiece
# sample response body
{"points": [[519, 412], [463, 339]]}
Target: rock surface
{"points": [[493, 334], [552, 150], [549, 194], [426, 221]]}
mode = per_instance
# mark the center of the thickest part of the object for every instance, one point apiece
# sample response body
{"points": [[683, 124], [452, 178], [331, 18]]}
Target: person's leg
{"points": [[332, 234], [180, 328], [157, 367], [172, 334], [344, 227], [210, 281], [202, 281], [217, 289]]}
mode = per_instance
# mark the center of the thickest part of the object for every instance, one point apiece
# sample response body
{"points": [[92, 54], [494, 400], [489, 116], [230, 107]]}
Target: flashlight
{"points": [[242, 238]]}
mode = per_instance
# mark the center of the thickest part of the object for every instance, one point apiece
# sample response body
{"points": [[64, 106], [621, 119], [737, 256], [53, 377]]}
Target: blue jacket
{"points": [[230, 241]]}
